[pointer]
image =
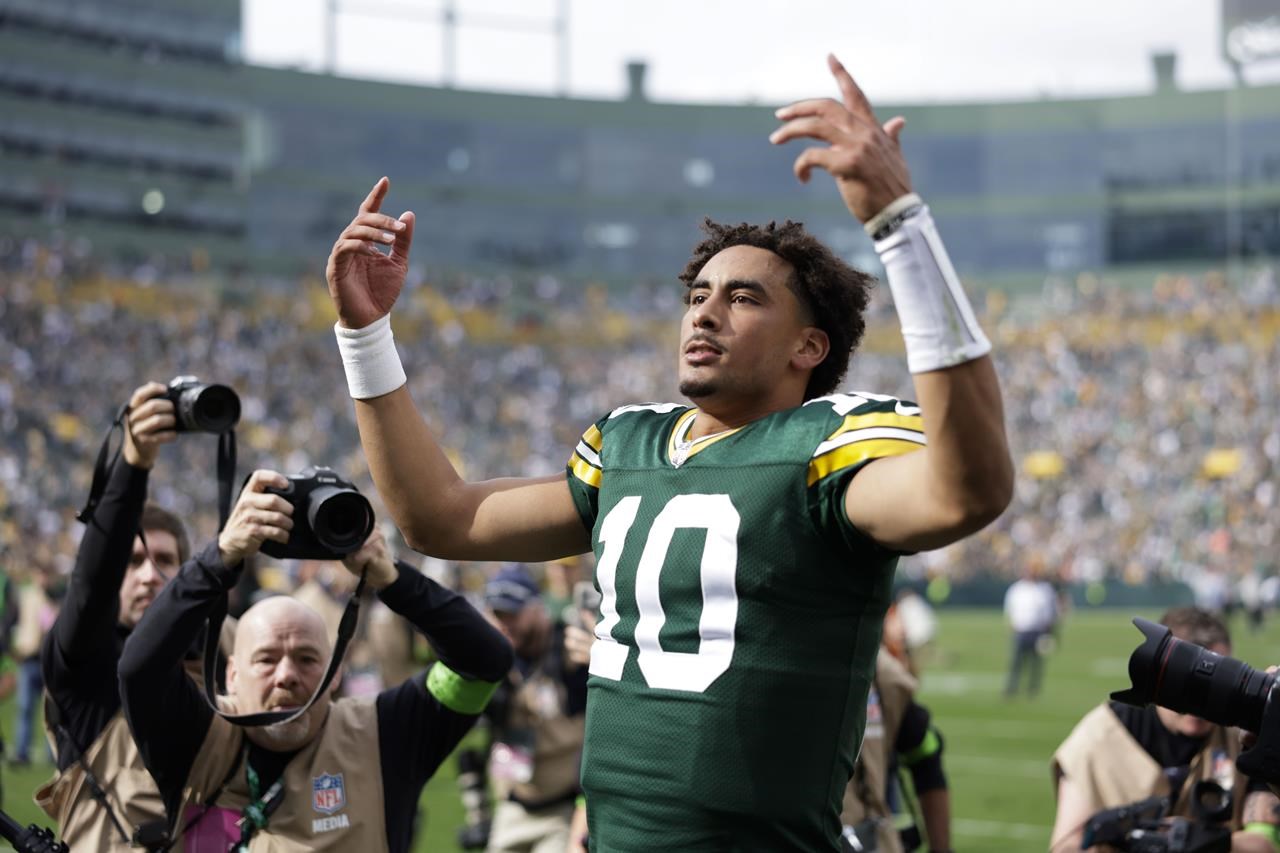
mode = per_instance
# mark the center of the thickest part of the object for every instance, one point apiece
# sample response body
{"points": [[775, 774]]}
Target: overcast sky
{"points": [[762, 50]]}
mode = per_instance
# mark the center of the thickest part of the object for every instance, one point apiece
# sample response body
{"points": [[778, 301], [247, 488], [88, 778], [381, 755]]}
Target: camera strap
{"points": [[226, 469], [54, 715], [346, 630], [101, 468]]}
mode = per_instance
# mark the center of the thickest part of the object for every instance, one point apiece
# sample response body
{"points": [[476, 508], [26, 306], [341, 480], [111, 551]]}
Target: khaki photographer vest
{"points": [[1112, 769], [117, 765], [538, 705], [865, 795], [307, 819]]}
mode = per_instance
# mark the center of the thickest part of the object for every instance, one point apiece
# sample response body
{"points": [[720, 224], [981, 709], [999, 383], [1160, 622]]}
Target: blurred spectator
{"points": [[36, 612], [1144, 412], [538, 718], [1031, 609], [899, 735]]}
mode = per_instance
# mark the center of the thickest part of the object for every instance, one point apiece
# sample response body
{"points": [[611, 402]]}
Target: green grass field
{"points": [[997, 754]]}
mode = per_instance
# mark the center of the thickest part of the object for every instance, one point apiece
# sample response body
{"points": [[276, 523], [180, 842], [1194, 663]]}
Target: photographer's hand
{"points": [[578, 640], [363, 282], [148, 425], [256, 517], [374, 561]]}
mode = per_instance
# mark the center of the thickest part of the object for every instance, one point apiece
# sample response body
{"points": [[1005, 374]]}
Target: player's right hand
{"points": [[148, 425], [257, 516], [363, 282]]}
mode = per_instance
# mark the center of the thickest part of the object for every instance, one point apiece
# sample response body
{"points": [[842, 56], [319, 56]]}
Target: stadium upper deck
{"points": [[108, 104]]}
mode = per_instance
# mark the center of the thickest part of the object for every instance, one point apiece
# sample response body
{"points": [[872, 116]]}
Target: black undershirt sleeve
{"points": [[166, 711], [415, 731], [79, 654]]}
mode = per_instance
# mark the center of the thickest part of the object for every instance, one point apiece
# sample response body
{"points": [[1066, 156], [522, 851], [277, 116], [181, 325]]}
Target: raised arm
{"points": [[85, 628], [963, 479], [437, 511], [165, 709]]}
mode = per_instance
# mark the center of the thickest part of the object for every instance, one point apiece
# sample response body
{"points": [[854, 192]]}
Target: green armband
{"points": [[457, 693], [1268, 830], [580, 801], [930, 745]]}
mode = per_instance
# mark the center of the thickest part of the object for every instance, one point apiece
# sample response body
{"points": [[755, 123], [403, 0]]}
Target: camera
{"points": [[198, 407], [1143, 827], [331, 519], [1190, 679], [586, 599]]}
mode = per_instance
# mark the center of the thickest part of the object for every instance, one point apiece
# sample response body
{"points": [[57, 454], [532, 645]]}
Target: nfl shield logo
{"points": [[328, 793]]}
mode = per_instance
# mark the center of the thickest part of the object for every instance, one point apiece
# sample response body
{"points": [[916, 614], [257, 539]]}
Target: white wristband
{"points": [[937, 320], [370, 359]]}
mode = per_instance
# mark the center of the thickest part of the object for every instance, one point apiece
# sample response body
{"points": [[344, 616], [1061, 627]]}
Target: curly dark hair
{"points": [[835, 293]]}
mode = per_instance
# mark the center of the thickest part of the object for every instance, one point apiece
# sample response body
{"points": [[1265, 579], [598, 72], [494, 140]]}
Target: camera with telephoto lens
{"points": [[1190, 679], [198, 407], [331, 519]]}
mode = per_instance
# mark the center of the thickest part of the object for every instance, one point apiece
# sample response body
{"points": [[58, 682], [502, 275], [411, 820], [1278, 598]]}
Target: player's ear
{"points": [[811, 348]]}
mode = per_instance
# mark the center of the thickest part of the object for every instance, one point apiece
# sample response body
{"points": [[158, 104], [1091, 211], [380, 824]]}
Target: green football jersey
{"points": [[741, 615]]}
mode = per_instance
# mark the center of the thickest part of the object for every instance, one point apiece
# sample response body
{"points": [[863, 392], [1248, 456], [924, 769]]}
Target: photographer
{"points": [[1119, 754], [538, 718], [899, 733], [346, 774], [102, 792]]}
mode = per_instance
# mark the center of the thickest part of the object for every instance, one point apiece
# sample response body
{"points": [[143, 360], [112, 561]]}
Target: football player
{"points": [[746, 540]]}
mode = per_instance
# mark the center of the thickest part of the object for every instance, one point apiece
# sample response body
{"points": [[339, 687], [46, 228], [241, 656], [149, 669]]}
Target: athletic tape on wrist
{"points": [[938, 324], [370, 359]]}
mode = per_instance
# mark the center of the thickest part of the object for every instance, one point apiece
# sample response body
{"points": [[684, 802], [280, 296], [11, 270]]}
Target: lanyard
{"points": [[256, 814]]}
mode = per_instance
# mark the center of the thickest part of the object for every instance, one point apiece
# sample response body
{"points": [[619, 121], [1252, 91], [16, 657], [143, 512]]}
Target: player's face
{"points": [[150, 568], [1190, 725], [742, 326]]}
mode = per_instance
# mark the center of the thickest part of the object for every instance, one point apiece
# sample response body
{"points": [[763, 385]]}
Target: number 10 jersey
{"points": [[740, 619]]}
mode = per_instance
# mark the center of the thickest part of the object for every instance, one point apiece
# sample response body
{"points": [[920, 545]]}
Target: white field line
{"points": [[1025, 768], [999, 829], [999, 728]]}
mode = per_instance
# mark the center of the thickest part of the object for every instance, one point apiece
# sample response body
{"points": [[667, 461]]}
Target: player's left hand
{"points": [[862, 154], [374, 560]]}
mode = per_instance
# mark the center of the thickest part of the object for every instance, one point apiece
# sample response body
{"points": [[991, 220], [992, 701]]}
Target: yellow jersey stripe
{"points": [[592, 438], [852, 454], [879, 419], [584, 472]]}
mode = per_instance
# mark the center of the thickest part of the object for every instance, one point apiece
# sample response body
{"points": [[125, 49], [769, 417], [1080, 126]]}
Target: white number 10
{"points": [[689, 671]]}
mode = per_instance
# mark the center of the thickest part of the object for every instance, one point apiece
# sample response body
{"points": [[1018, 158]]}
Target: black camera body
{"points": [[1144, 827], [331, 519], [200, 407]]}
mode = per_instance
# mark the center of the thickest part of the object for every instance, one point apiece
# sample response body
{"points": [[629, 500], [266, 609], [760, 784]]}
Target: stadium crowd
{"points": [[1140, 415]]}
